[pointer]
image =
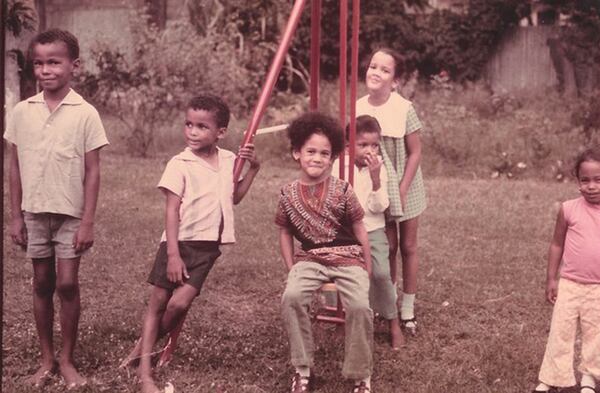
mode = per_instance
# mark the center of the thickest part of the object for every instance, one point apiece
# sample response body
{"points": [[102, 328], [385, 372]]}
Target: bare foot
{"points": [[148, 385], [42, 376], [72, 378], [396, 336], [134, 356]]}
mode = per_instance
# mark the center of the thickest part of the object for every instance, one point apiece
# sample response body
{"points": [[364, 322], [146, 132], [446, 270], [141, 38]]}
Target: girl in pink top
{"points": [[576, 295]]}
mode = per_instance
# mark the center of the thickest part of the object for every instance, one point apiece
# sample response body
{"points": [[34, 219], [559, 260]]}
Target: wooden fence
{"points": [[523, 61]]}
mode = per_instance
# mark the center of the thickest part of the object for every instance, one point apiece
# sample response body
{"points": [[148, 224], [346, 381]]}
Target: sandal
{"points": [[409, 325], [300, 384], [361, 388]]}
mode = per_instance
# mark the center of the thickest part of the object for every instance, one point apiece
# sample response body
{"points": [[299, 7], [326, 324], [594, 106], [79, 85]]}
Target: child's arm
{"points": [[555, 255], [84, 237], [378, 199], [412, 142], [361, 235], [176, 270], [247, 153], [18, 232], [286, 244]]}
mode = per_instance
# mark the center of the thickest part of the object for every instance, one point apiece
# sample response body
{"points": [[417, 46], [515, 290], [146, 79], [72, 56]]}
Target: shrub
{"points": [[469, 130], [148, 89]]}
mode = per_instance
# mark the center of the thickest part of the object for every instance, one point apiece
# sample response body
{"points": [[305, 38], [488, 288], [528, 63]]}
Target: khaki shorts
{"points": [[51, 234]]}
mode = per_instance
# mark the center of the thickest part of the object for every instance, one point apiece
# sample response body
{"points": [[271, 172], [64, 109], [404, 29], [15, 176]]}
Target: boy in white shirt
{"points": [[54, 140], [200, 194], [370, 186]]}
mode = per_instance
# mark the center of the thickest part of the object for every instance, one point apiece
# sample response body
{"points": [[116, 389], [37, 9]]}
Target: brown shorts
{"points": [[198, 257]]}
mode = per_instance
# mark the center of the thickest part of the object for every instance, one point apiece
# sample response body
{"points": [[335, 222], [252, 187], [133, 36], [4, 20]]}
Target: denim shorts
{"points": [[198, 257], [51, 234]]}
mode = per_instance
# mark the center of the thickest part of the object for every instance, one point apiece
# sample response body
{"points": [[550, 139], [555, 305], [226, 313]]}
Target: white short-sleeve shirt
{"points": [[206, 195], [373, 203], [51, 148]]}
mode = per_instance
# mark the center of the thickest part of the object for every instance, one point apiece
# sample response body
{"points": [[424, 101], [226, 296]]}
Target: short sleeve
{"points": [[95, 136], [412, 120], [281, 218], [354, 210], [10, 133], [173, 178]]}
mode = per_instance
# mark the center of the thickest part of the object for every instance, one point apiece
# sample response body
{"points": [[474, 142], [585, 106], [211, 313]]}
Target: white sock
{"points": [[407, 309], [542, 387], [587, 380], [303, 371]]}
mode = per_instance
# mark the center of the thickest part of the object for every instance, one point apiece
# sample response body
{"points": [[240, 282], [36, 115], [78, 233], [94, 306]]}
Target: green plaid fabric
{"points": [[394, 157]]}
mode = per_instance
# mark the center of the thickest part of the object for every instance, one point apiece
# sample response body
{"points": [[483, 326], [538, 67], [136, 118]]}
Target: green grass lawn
{"points": [[480, 303]]}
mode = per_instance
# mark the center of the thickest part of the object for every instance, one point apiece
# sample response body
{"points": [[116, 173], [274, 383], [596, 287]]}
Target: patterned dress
{"points": [[321, 216], [398, 118]]}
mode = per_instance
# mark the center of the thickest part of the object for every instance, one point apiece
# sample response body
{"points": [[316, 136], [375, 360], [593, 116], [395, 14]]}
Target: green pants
{"points": [[352, 283], [382, 294]]}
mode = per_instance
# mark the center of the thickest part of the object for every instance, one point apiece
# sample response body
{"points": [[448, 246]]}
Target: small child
{"points": [[370, 186], [401, 151], [576, 295], [55, 139], [200, 194], [323, 213]]}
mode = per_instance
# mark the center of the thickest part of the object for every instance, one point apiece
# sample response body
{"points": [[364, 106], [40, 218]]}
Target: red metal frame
{"points": [[353, 80], [272, 75], [343, 78], [315, 53]]}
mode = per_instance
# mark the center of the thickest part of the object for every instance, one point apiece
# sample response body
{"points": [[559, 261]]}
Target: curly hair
{"points": [[591, 154], [305, 125], [56, 35], [214, 104]]}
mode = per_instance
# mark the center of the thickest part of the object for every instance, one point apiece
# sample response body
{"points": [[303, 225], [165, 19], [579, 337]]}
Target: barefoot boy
{"points": [[54, 140], [200, 194]]}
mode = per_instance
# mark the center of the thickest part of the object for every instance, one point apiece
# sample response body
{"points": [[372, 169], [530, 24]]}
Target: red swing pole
{"points": [[272, 75], [315, 53], [343, 77], [353, 80]]}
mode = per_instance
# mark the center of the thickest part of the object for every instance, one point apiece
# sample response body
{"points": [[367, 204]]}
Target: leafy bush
{"points": [[148, 89], [472, 131]]}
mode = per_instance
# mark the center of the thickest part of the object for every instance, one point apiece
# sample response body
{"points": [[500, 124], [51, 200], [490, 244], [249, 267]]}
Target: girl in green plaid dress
{"points": [[402, 151]]}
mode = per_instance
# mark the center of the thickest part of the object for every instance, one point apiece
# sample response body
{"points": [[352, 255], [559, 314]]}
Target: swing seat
{"points": [[328, 313]]}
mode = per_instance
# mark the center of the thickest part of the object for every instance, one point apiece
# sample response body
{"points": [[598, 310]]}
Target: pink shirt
{"points": [[581, 255]]}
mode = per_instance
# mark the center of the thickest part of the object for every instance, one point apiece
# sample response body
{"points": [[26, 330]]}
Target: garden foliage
{"points": [[147, 90]]}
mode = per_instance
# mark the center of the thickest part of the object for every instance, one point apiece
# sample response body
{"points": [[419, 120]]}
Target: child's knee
{"points": [[292, 297], [67, 289], [393, 249], [177, 306], [380, 277], [408, 248], [44, 287], [359, 307]]}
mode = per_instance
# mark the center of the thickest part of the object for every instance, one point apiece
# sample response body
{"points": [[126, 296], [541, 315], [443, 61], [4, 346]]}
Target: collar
{"points": [[72, 98], [188, 155]]}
